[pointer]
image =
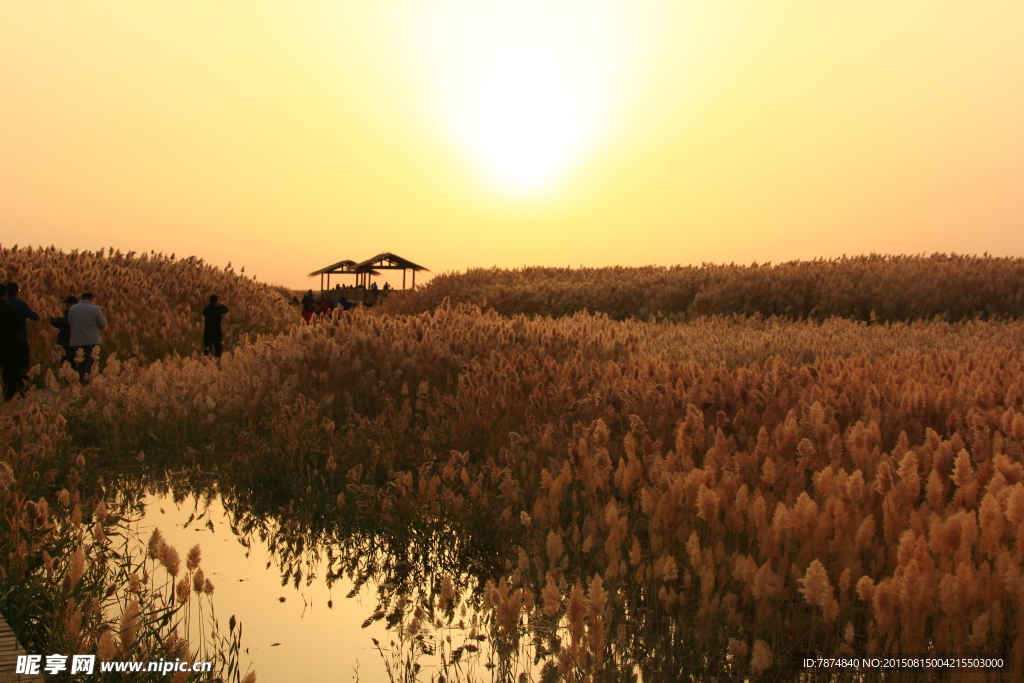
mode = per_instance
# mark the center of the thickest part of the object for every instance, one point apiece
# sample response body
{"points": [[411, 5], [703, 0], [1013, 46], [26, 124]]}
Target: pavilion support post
{"points": [[403, 278], [414, 279], [321, 284]]}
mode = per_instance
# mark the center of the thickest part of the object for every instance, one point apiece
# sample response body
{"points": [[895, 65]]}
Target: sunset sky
{"points": [[460, 133]]}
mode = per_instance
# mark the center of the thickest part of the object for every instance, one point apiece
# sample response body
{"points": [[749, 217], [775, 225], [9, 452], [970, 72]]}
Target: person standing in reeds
{"points": [[64, 330], [26, 313], [11, 327], [308, 308], [86, 320], [213, 335]]}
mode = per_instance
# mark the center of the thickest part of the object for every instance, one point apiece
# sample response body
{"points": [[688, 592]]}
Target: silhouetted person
{"points": [[26, 313], [86, 320], [12, 324], [213, 336], [64, 330]]}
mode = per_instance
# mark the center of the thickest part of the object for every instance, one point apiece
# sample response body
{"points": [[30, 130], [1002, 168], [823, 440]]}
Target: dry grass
{"points": [[685, 501], [836, 488], [884, 288], [152, 302]]}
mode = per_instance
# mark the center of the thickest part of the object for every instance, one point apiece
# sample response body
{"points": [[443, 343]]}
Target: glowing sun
{"points": [[525, 124], [521, 88]]}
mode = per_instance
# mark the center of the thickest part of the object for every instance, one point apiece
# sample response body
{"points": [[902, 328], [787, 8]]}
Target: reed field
{"points": [[876, 287], [151, 301], [813, 459]]}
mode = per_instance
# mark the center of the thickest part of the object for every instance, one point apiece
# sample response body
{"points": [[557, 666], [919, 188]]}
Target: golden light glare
{"points": [[524, 90], [525, 99], [525, 124]]}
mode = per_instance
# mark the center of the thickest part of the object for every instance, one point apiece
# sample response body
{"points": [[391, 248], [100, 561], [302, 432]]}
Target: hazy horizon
{"points": [[283, 138]]}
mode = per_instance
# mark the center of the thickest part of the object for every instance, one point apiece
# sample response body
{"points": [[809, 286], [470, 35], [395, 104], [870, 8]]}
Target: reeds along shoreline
{"points": [[734, 490], [74, 580]]}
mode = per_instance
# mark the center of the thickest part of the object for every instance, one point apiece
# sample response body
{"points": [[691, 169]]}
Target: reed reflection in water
{"points": [[362, 619]]}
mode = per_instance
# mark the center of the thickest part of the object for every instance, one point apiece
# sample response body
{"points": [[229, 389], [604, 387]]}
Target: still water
{"points": [[301, 630]]}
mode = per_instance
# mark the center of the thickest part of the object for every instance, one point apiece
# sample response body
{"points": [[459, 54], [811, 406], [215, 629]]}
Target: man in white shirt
{"points": [[86, 320]]}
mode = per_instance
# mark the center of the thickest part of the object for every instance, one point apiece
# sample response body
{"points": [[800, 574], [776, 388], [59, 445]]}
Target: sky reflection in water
{"points": [[298, 639]]}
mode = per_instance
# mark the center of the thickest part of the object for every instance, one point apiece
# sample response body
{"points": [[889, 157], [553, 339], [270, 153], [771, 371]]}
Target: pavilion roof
{"points": [[346, 266], [387, 261]]}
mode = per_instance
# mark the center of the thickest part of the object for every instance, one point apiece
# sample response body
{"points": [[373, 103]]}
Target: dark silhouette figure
{"points": [[26, 313], [213, 335], [12, 326], [64, 331]]}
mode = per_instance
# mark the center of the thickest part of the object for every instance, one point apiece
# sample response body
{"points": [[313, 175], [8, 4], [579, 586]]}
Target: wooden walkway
{"points": [[9, 651]]}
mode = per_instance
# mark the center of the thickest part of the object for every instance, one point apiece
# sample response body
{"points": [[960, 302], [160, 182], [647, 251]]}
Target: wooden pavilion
{"points": [[346, 267], [372, 266]]}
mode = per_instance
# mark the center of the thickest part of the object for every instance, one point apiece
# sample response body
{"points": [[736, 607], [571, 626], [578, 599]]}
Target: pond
{"points": [[316, 606]]}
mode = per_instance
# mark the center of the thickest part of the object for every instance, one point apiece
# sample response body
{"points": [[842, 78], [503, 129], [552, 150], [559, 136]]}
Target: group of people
{"points": [[316, 307], [78, 333], [319, 307], [373, 287]]}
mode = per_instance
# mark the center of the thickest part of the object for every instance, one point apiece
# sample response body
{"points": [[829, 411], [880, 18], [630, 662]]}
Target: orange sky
{"points": [[458, 133]]}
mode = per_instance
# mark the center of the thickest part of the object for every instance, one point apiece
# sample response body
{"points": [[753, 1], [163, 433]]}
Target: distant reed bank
{"points": [[882, 288]]}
